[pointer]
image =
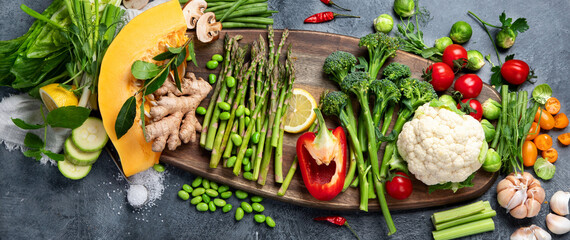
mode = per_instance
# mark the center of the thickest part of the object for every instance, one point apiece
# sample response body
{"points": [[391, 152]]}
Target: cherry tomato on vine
{"points": [[440, 76], [476, 105], [515, 71], [455, 56], [400, 187], [469, 85]]}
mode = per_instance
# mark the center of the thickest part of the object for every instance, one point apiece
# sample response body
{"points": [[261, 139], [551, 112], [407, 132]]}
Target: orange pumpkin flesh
{"points": [[142, 38]]}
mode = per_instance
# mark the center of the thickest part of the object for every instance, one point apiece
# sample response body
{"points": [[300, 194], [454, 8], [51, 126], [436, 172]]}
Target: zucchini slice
{"points": [[91, 136], [75, 156], [72, 171]]}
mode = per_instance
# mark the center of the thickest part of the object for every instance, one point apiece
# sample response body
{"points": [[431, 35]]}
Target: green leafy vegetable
{"points": [[24, 125], [33, 141], [144, 70], [544, 169], [454, 186], [126, 117], [68, 117], [542, 93]]}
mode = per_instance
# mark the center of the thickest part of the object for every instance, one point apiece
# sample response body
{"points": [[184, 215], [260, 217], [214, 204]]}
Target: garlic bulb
{"points": [[557, 224], [521, 195], [531, 233], [559, 203]]}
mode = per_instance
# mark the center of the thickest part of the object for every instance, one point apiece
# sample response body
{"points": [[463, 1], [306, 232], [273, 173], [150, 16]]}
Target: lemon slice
{"points": [[54, 96], [300, 114]]}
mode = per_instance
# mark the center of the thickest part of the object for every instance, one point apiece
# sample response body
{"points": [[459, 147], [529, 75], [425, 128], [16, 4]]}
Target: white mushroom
{"points": [[192, 11], [135, 4], [207, 29]]}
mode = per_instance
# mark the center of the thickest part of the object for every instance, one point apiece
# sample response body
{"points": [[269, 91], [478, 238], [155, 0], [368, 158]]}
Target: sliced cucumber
{"points": [[78, 157], [72, 171], [91, 136]]}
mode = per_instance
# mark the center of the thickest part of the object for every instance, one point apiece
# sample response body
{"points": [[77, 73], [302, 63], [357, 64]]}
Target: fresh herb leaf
{"points": [[126, 117], [192, 53], [55, 156], [454, 186], [144, 70], [542, 93], [155, 84], [519, 26], [388, 138], [496, 77], [33, 141], [163, 56], [509, 57], [429, 52], [175, 50], [24, 125], [362, 64], [177, 78], [68, 117], [142, 116], [36, 154], [180, 58]]}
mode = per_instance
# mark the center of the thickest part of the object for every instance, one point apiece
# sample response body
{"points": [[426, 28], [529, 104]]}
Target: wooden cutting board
{"points": [[310, 50]]}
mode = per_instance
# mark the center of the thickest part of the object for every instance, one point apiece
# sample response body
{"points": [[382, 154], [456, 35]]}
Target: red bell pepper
{"points": [[323, 158]]}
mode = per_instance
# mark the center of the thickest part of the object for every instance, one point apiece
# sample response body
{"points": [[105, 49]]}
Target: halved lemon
{"points": [[300, 114], [54, 96]]}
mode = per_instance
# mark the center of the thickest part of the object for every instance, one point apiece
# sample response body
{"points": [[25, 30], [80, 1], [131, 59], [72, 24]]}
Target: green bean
{"points": [[212, 193], [212, 78], [218, 6], [246, 207], [214, 185], [248, 175], [231, 161], [219, 202], [241, 194], [257, 20], [212, 64], [257, 207], [227, 208], [239, 214], [260, 218], [231, 10], [202, 207], [206, 184], [196, 200], [236, 139], [183, 1], [243, 12], [183, 195], [198, 192], [158, 167], [224, 116], [187, 188], [242, 25], [201, 110], [248, 153], [269, 221], [256, 199], [224, 106], [206, 198], [197, 182], [220, 12], [212, 207], [226, 195], [217, 57], [240, 110], [223, 188]]}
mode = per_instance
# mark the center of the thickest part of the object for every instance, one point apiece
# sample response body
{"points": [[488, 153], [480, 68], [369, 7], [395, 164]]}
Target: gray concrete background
{"points": [[37, 202]]}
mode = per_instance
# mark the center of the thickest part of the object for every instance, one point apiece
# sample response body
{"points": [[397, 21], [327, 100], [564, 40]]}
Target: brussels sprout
{"points": [[506, 38], [489, 130], [442, 43], [475, 60], [448, 101], [491, 109], [384, 23], [404, 8], [460, 32], [492, 161], [544, 169]]}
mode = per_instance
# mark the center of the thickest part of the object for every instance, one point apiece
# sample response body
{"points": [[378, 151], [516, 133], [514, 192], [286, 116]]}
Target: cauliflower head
{"points": [[441, 146]]}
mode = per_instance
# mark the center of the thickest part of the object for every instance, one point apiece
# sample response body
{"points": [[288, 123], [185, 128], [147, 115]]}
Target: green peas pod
{"points": [[183, 195], [247, 112], [245, 161], [246, 121]]}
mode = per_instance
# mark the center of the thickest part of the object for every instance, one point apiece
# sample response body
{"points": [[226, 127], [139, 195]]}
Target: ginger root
{"points": [[172, 116]]}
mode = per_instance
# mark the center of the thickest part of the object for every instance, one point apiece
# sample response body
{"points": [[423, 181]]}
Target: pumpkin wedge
{"points": [[142, 38]]}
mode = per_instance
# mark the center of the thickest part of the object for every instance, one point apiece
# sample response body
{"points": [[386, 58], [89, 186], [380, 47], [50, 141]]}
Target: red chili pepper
{"points": [[325, 17], [339, 221], [331, 3], [323, 158]]}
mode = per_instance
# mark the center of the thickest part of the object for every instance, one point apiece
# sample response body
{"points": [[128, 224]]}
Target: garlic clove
{"points": [[524, 233], [537, 193], [519, 212], [559, 203], [505, 196], [512, 178], [504, 184], [540, 233], [557, 224], [517, 200], [533, 207]]}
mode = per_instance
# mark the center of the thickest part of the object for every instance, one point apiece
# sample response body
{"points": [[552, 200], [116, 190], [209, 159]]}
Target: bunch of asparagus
{"points": [[244, 123]]}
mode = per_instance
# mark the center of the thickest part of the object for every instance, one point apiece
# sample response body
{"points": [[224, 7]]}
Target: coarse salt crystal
{"points": [[137, 195]]}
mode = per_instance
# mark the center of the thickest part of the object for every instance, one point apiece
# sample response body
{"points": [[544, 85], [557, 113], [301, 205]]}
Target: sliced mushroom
{"points": [[207, 29], [135, 4], [192, 11]]}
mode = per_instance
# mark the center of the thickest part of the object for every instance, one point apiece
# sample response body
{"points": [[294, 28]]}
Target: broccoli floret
{"points": [[333, 103], [338, 64], [414, 93], [380, 47], [396, 71], [386, 92], [357, 83]]}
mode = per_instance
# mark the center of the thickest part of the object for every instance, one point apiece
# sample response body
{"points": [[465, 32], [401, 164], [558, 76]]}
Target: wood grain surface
{"points": [[310, 50]]}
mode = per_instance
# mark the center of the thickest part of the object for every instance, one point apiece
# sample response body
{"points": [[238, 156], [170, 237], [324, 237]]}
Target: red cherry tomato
{"points": [[515, 71], [476, 105], [400, 187], [453, 55], [469, 85], [440, 76]]}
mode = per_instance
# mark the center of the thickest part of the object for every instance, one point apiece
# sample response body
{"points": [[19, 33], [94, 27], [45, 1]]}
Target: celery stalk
{"points": [[482, 215], [457, 213], [463, 230]]}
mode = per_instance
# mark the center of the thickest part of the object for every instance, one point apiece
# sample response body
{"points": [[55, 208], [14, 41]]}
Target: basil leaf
{"points": [[55, 156], [144, 70], [126, 117], [33, 154], [33, 141], [24, 125], [155, 84], [163, 56], [192, 53], [542, 93], [68, 117]]}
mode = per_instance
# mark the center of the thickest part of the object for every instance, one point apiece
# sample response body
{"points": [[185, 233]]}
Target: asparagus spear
{"points": [[275, 135]]}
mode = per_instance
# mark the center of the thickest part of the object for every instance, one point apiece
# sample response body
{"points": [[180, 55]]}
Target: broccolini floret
{"points": [[414, 94], [380, 47], [338, 64], [386, 93], [396, 71]]}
